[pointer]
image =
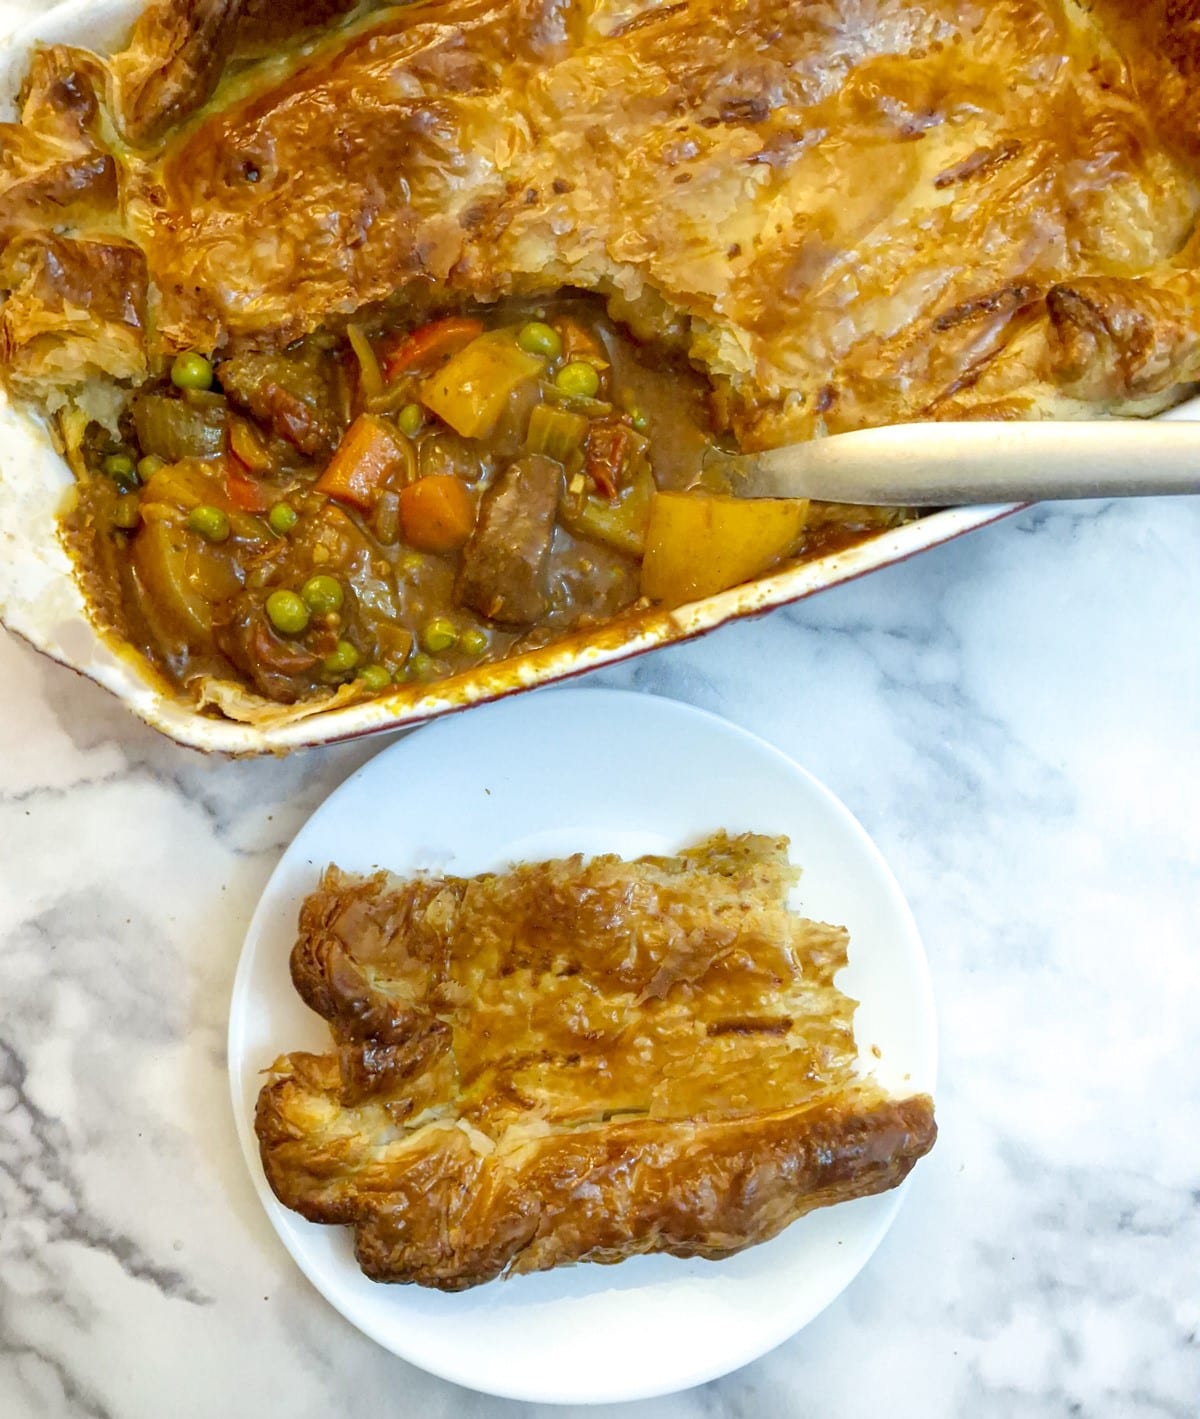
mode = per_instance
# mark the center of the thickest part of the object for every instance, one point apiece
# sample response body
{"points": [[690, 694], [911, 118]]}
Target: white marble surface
{"points": [[1015, 718]]}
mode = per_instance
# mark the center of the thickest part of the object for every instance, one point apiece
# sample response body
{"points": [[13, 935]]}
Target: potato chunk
{"points": [[700, 543]]}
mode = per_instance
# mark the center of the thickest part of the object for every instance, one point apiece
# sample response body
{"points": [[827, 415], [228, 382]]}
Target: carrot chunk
{"points": [[368, 455], [428, 343], [248, 447], [246, 493], [437, 513]]}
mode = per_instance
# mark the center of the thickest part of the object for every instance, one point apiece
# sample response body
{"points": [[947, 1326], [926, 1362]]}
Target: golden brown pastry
{"points": [[847, 214], [575, 1061]]}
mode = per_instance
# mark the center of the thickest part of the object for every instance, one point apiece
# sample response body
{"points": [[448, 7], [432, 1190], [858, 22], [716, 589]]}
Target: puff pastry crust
{"points": [[847, 213], [575, 1061]]}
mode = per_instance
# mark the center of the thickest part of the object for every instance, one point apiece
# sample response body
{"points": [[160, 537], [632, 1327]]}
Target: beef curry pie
{"points": [[385, 341]]}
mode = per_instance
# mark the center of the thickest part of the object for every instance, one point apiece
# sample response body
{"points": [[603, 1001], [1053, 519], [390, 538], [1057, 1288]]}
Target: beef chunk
{"points": [[278, 669], [292, 394], [504, 564]]}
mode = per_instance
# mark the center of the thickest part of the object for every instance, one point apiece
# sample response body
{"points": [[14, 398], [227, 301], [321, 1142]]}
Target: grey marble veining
{"points": [[1014, 717]]}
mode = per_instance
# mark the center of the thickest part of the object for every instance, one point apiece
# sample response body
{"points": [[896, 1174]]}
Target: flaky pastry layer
{"points": [[575, 1061], [848, 214]]}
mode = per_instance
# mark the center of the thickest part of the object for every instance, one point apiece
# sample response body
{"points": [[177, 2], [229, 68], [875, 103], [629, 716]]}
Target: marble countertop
{"points": [[1016, 720], [1014, 717]]}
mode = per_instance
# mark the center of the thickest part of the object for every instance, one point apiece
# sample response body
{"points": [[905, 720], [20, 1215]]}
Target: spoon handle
{"points": [[944, 464]]}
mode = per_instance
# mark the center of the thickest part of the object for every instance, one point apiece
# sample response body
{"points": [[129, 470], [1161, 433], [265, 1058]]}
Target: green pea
{"points": [[341, 660], [439, 634], [119, 467], [210, 522], [374, 677], [282, 517], [538, 338], [421, 666], [127, 510], [578, 379], [323, 594], [638, 420], [149, 465], [287, 613], [410, 419], [473, 641], [191, 371]]}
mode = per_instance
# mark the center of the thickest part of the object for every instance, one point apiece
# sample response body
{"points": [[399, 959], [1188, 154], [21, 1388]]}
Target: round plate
{"points": [[592, 771]]}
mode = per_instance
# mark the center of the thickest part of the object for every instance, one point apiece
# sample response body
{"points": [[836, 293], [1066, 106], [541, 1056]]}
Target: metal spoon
{"points": [[945, 464]]}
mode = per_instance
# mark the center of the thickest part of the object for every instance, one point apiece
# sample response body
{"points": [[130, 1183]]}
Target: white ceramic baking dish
{"points": [[41, 600]]}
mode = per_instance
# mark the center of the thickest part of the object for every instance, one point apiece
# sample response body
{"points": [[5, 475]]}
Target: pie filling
{"points": [[399, 504], [386, 341]]}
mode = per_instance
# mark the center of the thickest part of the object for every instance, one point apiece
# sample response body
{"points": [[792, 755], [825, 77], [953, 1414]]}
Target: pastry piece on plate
{"points": [[576, 1061]]}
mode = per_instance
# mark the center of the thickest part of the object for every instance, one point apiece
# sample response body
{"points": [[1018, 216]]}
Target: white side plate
{"points": [[592, 771]]}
